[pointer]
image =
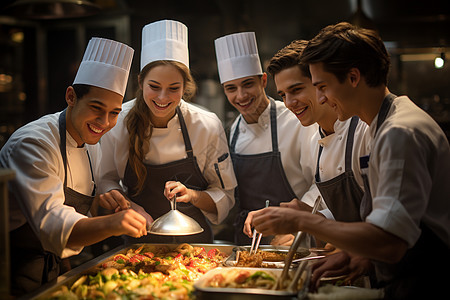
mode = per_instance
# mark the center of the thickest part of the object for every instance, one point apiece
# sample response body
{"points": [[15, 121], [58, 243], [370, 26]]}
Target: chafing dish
{"points": [[301, 253], [92, 266], [203, 291]]}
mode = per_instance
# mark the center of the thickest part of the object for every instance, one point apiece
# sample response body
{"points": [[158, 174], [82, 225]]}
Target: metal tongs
{"points": [[290, 256], [254, 238]]}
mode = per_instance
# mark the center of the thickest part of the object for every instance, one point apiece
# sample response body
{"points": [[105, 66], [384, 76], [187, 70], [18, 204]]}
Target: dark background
{"points": [[39, 57]]}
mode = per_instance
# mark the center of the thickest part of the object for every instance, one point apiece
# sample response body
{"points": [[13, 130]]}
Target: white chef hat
{"points": [[237, 56], [106, 64], [164, 40]]}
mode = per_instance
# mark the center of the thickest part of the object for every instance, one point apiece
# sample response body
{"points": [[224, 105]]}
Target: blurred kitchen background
{"points": [[43, 41]]}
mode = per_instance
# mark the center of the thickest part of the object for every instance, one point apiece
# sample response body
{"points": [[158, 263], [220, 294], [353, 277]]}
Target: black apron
{"points": [[342, 194], [421, 273], [260, 177], [31, 265], [152, 198]]}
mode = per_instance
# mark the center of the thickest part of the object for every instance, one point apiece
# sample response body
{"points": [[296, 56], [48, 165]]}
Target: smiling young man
{"points": [[55, 159], [340, 143], [269, 147], [405, 208]]}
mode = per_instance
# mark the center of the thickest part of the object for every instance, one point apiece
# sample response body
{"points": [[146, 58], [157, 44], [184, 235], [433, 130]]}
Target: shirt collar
{"points": [[70, 141]]}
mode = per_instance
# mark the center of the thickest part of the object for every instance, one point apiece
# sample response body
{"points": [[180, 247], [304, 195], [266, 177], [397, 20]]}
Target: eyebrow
{"points": [[317, 82], [154, 81], [229, 85], [247, 80], [100, 103], [292, 86], [243, 82]]}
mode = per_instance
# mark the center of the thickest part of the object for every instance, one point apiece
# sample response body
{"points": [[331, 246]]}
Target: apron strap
{"points": [[322, 135], [187, 141], [62, 142], [273, 125], [235, 136], [384, 109], [349, 145]]}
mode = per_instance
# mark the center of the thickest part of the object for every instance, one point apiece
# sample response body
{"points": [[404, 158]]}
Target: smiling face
{"points": [[299, 96], [91, 116], [331, 91], [162, 88], [247, 95]]}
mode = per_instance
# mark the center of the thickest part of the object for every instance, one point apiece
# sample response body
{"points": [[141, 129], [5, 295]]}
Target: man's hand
{"points": [[274, 220], [340, 263], [294, 203], [283, 240], [114, 200], [248, 225], [128, 222], [142, 212]]}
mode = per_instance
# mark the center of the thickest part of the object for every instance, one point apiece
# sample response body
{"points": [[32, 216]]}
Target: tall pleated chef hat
{"points": [[237, 56], [164, 40], [106, 64]]}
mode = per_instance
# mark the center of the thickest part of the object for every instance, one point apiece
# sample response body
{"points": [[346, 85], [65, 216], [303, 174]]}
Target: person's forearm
{"points": [[89, 231], [203, 201], [360, 238]]}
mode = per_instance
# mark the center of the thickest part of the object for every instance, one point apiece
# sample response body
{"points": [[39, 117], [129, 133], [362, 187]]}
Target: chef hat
{"points": [[237, 56], [106, 64], [164, 40]]}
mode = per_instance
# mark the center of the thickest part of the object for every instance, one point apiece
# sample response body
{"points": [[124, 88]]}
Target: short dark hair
{"points": [[288, 57], [81, 90], [343, 46]]}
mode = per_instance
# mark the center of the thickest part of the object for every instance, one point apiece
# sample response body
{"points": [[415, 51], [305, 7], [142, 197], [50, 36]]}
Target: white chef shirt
{"points": [[38, 189], [208, 141], [409, 174], [294, 143], [332, 159]]}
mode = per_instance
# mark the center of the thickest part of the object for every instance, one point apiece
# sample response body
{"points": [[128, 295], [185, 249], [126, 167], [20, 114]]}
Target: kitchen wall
{"points": [[39, 58]]}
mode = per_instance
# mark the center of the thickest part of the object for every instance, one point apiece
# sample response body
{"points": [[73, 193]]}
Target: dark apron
{"points": [[342, 194], [31, 265], [260, 177], [422, 272], [152, 197]]}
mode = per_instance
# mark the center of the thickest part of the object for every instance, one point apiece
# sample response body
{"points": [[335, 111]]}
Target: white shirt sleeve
{"points": [[38, 189], [400, 185], [408, 174]]}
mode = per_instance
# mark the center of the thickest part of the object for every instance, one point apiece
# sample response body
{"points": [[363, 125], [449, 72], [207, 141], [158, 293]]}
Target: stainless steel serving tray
{"points": [[92, 266], [231, 260], [204, 292]]}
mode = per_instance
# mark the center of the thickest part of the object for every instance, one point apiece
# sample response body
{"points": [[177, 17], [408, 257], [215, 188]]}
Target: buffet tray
{"points": [[91, 266], [204, 292], [231, 261]]}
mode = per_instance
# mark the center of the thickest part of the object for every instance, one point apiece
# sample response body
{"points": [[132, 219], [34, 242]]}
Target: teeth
{"points": [[244, 104], [161, 105], [95, 129], [300, 111]]}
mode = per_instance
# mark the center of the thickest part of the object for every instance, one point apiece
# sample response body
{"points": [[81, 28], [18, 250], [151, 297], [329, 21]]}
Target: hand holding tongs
{"points": [[258, 240], [290, 256]]}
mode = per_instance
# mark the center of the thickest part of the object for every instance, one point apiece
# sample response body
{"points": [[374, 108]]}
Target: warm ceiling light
{"points": [[51, 9], [439, 61]]}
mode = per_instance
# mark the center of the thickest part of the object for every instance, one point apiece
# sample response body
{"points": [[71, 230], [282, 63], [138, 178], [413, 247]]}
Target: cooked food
{"points": [[260, 258], [142, 274], [238, 278]]}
